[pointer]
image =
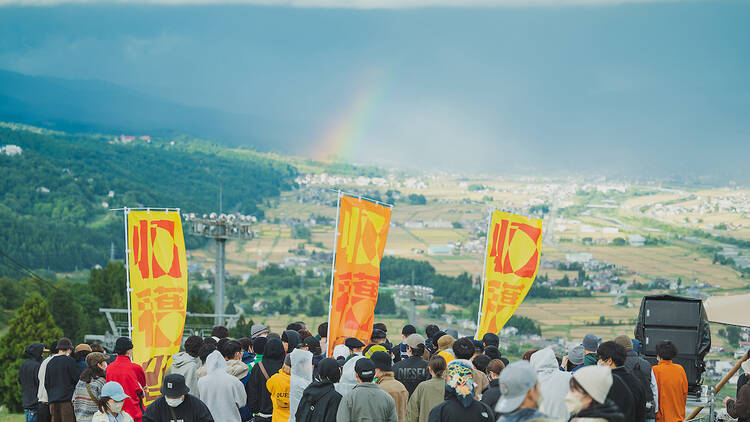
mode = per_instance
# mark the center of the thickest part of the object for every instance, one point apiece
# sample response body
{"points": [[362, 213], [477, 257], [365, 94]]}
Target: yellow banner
{"points": [[514, 247], [157, 268], [362, 232]]}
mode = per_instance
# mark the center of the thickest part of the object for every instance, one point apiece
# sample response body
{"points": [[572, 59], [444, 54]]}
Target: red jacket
{"points": [[133, 381]]}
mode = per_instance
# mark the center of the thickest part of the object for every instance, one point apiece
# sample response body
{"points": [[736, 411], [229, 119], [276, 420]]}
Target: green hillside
{"points": [[55, 196]]}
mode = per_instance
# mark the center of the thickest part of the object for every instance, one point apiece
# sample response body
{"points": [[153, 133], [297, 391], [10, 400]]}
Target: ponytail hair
{"points": [[419, 351]]}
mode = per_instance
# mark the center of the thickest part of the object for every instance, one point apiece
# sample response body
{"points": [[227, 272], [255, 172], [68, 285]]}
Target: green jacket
{"points": [[367, 403], [426, 396]]}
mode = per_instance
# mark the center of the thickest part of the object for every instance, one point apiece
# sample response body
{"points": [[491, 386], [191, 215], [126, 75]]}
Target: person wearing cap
{"points": [[613, 355], [187, 363], [460, 403], [491, 394], [574, 360], [43, 414], [258, 330], [130, 376], [258, 397], [400, 352], [372, 348], [590, 345], [428, 394], [641, 368], [109, 402], [366, 401], [463, 348], [278, 386], [553, 383], [412, 370], [340, 352], [355, 346], [223, 393], [60, 381], [28, 377], [385, 380], [587, 399], [79, 355], [89, 385], [175, 404], [521, 394], [445, 347], [320, 400], [672, 382]]}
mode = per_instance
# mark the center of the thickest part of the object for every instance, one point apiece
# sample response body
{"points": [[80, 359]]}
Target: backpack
{"points": [[646, 381]]}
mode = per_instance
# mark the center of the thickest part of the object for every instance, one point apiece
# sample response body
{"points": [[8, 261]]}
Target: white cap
{"points": [[596, 380]]}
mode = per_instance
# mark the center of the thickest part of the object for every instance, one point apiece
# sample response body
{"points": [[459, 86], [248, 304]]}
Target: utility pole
{"points": [[220, 228], [413, 300], [112, 251]]}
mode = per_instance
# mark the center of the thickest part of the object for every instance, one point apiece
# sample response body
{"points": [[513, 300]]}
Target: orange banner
{"points": [[362, 231], [157, 271], [514, 248]]}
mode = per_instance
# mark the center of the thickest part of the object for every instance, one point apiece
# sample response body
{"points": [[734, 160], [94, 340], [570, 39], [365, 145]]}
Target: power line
{"points": [[22, 269]]}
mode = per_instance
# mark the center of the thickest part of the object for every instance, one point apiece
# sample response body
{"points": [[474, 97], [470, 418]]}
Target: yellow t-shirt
{"points": [[278, 386]]}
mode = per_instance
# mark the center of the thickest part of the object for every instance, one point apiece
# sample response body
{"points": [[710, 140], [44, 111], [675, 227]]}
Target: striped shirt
{"points": [[84, 405]]}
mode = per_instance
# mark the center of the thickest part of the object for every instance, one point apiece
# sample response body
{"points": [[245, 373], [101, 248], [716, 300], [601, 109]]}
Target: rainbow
{"points": [[342, 135]]}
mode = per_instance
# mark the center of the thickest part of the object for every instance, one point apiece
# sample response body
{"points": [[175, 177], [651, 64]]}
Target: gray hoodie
{"points": [[554, 384], [187, 366], [222, 393]]}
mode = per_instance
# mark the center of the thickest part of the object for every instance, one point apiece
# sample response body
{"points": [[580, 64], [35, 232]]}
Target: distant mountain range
{"points": [[98, 106]]}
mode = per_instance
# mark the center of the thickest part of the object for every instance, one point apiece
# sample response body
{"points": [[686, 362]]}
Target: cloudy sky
{"points": [[576, 85]]}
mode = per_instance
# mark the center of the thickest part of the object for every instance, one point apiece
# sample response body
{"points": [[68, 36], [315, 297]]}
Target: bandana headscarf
{"points": [[460, 379]]}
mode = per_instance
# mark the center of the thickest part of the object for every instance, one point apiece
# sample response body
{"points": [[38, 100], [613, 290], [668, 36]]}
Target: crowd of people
{"points": [[271, 377]]}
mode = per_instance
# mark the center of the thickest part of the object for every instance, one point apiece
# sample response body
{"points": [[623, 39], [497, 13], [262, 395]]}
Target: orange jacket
{"points": [[278, 385], [673, 388]]}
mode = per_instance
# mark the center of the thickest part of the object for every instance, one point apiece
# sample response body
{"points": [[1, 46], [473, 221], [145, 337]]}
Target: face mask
{"points": [[116, 407], [573, 402], [174, 402]]}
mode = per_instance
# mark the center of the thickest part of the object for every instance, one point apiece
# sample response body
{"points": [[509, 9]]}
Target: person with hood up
{"points": [[258, 397], [520, 394], [320, 400], [554, 384], [301, 377], [188, 363], [258, 345], [740, 408], [460, 404], [291, 340], [428, 394], [279, 385], [366, 402], [222, 392], [348, 376], [90, 383], [312, 345], [28, 377], [587, 399], [491, 395]]}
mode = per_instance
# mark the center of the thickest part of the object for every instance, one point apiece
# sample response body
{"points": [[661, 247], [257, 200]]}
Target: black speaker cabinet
{"points": [[684, 339], [671, 313], [693, 368]]}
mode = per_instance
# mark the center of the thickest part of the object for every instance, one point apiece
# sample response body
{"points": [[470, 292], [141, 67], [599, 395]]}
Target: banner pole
{"points": [[484, 275], [127, 275], [333, 269]]}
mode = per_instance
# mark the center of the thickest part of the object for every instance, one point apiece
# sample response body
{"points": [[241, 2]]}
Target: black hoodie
{"points": [[28, 375], [608, 411], [258, 397], [452, 410], [320, 402]]}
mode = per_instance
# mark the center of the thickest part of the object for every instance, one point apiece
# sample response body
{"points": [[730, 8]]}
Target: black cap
{"points": [[353, 343], [382, 361], [173, 385], [122, 345], [377, 334], [365, 368]]}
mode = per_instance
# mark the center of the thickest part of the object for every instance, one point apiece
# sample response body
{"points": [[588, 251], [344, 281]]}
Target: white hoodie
{"points": [[348, 377], [221, 392], [554, 384], [300, 378]]}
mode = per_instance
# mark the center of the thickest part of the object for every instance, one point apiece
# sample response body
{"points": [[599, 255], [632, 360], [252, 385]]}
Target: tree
{"points": [[733, 335], [242, 329], [32, 323], [68, 314], [415, 199], [109, 286], [317, 307], [286, 305], [618, 241], [386, 305], [564, 282]]}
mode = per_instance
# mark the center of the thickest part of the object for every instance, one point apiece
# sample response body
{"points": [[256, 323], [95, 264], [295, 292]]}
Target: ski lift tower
{"points": [[221, 227]]}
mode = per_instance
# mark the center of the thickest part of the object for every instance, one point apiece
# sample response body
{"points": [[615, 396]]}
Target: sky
{"points": [[620, 87]]}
